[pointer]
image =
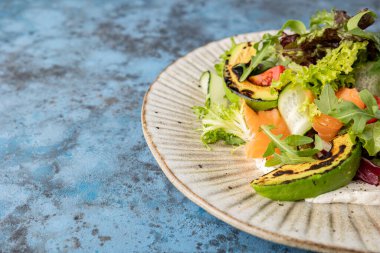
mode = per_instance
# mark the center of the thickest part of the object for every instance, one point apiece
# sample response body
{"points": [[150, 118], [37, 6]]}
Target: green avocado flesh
{"points": [[307, 180], [257, 97]]}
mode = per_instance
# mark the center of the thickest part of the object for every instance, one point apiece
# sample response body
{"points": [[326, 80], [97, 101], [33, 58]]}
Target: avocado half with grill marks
{"points": [[256, 96], [307, 180]]}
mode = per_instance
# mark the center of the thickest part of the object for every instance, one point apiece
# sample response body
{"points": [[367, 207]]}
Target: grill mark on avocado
{"points": [[228, 82], [329, 161], [227, 76], [325, 156], [294, 180], [283, 172], [341, 150], [247, 93]]}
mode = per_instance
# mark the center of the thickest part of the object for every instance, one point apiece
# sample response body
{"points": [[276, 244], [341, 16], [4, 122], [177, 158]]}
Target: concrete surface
{"points": [[75, 172]]}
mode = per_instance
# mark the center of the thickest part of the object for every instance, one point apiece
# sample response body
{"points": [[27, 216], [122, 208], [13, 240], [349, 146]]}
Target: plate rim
{"points": [[208, 207]]}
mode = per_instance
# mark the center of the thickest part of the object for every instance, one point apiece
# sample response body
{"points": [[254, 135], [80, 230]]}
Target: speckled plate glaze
{"points": [[218, 180]]}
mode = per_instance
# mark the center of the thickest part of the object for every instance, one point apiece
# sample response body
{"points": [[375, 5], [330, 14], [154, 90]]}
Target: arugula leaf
{"points": [[261, 55], [318, 144], [348, 112], [298, 140], [289, 154], [327, 101], [276, 160], [370, 138], [307, 152], [270, 150], [286, 159], [283, 146], [369, 100]]}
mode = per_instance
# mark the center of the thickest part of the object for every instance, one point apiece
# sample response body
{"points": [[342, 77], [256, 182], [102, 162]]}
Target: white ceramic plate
{"points": [[218, 181]]}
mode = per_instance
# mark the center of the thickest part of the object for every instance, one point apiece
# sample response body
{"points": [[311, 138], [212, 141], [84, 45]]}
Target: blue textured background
{"points": [[75, 172]]}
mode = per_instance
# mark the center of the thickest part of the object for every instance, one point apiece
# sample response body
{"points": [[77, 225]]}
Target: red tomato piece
{"points": [[266, 78]]}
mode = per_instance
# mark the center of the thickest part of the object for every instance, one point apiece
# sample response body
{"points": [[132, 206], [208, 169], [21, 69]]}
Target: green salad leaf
{"points": [[321, 19], [327, 101], [347, 112], [289, 147], [222, 123], [361, 20], [266, 51], [295, 25], [318, 143], [335, 68], [298, 140], [356, 25], [225, 56], [370, 138]]}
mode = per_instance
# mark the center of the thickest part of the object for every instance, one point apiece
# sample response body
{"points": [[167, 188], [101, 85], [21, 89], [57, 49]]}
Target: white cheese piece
{"points": [[260, 164], [357, 192]]}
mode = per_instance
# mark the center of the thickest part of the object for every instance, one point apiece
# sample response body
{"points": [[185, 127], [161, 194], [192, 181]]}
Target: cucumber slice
{"points": [[213, 85], [289, 103], [204, 81]]}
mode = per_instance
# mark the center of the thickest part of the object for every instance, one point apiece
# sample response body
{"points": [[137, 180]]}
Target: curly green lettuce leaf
{"points": [[335, 68], [220, 123], [311, 109], [322, 19]]}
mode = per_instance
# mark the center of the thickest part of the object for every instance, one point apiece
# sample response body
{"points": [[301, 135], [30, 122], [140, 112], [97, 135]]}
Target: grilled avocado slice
{"points": [[256, 96], [300, 181]]}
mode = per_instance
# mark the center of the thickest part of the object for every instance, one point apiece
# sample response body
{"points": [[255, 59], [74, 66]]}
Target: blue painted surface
{"points": [[75, 172]]}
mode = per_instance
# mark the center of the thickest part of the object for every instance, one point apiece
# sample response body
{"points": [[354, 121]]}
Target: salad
{"points": [[303, 101]]}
